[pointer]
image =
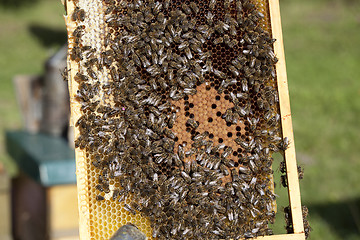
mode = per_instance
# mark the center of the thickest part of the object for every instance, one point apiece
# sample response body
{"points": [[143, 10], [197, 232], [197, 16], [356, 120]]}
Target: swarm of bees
{"points": [[156, 53]]}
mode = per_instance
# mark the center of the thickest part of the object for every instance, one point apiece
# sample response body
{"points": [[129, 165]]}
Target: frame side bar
{"points": [[286, 122], [81, 168]]}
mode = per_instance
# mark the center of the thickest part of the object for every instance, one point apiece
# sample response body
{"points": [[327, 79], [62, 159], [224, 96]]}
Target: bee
{"points": [[194, 7], [172, 120], [234, 71], [99, 198], [282, 167], [227, 4], [246, 51], [186, 177], [191, 152], [239, 7], [300, 172], [284, 144], [79, 78], [232, 30], [235, 175], [284, 182], [212, 4], [218, 40], [221, 26], [203, 28], [186, 8], [91, 73], [209, 33], [224, 170], [128, 208], [145, 62], [78, 14], [210, 18], [169, 133], [229, 116], [188, 53], [100, 188], [156, 9], [242, 143], [192, 123], [76, 54], [201, 136], [166, 4], [214, 163], [79, 31], [244, 85], [183, 45], [188, 35], [190, 91], [238, 63], [219, 73], [116, 194], [253, 122]]}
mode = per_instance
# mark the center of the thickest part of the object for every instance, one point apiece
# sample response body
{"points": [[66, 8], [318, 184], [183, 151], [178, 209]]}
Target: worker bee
{"points": [[210, 18], [227, 152], [282, 167], [91, 73], [300, 172], [128, 208], [218, 40], [234, 71], [194, 7], [186, 8], [80, 77], [221, 27], [188, 53], [78, 14], [99, 198], [219, 73], [190, 91], [224, 170], [212, 4], [284, 182], [284, 144], [235, 175], [76, 54], [244, 85], [79, 31], [201, 136], [192, 123], [227, 4]]}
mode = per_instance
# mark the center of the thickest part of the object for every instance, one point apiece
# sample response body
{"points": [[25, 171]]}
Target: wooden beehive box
{"points": [[210, 100]]}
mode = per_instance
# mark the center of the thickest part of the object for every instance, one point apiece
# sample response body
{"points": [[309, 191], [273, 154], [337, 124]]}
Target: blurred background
{"points": [[322, 49]]}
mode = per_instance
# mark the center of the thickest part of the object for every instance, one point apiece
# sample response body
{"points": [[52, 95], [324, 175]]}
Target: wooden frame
{"points": [[286, 122]]}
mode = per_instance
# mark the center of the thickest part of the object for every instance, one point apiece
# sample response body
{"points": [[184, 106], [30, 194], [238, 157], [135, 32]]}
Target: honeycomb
{"points": [[175, 125]]}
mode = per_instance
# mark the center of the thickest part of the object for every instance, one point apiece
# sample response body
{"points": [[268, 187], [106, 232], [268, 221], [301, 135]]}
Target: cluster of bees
{"points": [[156, 53]]}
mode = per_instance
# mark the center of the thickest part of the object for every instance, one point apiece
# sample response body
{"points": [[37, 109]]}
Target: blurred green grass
{"points": [[322, 51]]}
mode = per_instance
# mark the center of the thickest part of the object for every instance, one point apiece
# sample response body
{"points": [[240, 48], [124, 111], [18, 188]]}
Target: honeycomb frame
{"points": [[88, 222]]}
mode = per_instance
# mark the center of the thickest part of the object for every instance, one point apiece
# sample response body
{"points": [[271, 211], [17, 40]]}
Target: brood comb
{"points": [[178, 108]]}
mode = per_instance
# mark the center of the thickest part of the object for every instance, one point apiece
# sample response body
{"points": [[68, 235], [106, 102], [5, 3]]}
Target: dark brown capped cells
{"points": [[183, 126]]}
